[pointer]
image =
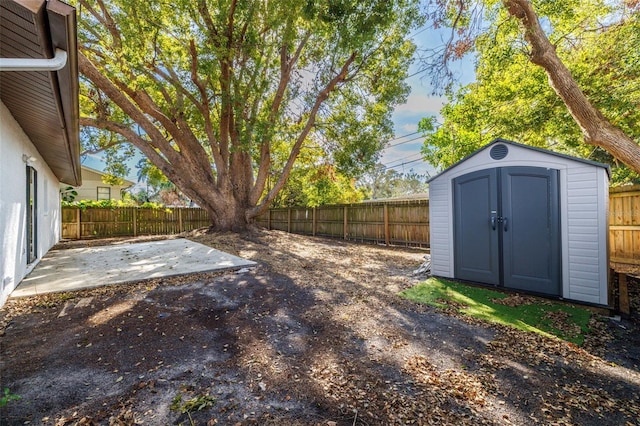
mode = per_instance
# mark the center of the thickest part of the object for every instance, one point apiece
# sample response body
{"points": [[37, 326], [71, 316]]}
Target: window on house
{"points": [[104, 193]]}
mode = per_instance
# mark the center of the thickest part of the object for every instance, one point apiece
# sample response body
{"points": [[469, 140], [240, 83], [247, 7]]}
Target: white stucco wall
{"points": [[13, 186], [583, 217]]}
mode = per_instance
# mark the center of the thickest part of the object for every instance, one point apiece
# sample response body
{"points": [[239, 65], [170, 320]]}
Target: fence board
{"points": [[302, 221], [624, 224], [96, 222], [396, 222]]}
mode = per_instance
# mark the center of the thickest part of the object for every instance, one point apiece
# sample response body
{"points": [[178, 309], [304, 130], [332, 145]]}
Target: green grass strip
{"points": [[480, 303]]}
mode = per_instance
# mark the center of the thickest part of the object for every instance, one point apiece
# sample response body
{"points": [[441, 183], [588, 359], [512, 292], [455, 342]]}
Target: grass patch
{"points": [[523, 312]]}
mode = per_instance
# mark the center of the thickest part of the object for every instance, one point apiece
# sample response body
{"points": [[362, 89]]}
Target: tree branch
{"points": [[157, 139], [596, 128], [205, 110], [142, 144], [295, 151], [101, 149], [105, 19], [287, 65]]}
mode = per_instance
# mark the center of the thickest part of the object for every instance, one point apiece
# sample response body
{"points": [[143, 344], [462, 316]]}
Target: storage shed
{"points": [[523, 218]]}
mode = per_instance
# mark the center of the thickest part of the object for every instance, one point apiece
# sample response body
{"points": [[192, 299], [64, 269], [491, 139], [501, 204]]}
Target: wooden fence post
{"points": [[180, 219], [135, 221], [344, 226], [78, 224], [289, 220], [386, 223], [314, 225], [269, 219]]}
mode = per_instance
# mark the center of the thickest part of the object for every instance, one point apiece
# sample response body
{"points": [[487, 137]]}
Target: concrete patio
{"points": [[89, 267]]}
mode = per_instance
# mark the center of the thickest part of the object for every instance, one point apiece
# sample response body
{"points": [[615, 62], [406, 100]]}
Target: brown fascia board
{"points": [[63, 32]]}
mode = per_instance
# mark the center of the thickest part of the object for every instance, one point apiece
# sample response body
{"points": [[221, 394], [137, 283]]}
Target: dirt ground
{"points": [[314, 335]]}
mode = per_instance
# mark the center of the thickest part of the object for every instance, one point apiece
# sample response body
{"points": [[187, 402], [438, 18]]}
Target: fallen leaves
{"points": [[458, 384], [313, 336], [559, 321], [515, 300]]}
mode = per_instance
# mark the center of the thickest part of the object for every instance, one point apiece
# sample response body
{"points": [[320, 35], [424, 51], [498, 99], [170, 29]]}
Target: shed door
{"points": [[531, 229], [518, 209], [475, 215]]}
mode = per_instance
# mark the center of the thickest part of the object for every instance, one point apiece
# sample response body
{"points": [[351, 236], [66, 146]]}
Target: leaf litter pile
{"points": [[314, 335]]}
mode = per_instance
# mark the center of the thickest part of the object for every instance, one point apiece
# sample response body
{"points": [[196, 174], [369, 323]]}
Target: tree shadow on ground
{"points": [[297, 340]]}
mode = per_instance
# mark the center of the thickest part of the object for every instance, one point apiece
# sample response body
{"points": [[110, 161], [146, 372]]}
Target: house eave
{"points": [[44, 103]]}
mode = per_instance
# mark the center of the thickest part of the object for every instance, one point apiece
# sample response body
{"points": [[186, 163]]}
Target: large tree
{"points": [[384, 182], [552, 74], [206, 89]]}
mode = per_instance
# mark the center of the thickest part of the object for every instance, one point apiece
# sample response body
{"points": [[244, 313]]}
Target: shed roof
{"points": [[533, 148], [44, 103]]}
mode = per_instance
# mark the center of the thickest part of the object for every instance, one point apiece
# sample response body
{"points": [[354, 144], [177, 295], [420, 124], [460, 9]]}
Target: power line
{"points": [[403, 136], [403, 142], [402, 159], [403, 164]]}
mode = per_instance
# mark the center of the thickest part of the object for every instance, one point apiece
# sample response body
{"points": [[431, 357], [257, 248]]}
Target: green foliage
{"points": [[381, 182], [511, 97], [197, 403], [110, 204], [114, 177], [152, 175], [481, 303], [68, 194], [6, 397], [314, 186]]}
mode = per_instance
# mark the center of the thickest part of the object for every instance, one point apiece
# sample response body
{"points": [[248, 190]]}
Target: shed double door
{"points": [[507, 228]]}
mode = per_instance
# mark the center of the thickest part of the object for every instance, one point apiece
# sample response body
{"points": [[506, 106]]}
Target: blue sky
{"points": [[404, 156], [421, 103]]}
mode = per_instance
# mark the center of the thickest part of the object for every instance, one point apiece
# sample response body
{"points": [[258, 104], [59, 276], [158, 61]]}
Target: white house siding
{"points": [[586, 217], [583, 216], [91, 180], [13, 144]]}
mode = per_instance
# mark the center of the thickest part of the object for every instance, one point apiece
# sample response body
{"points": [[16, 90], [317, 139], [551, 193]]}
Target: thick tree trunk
{"points": [[597, 129], [227, 216]]}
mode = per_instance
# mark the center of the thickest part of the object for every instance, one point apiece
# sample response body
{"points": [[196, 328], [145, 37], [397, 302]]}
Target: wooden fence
{"points": [[624, 224], [390, 223], [95, 222]]}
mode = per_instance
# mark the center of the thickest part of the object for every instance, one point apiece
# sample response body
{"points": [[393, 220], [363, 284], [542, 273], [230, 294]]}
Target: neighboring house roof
{"points": [[44, 103], [533, 148], [88, 171]]}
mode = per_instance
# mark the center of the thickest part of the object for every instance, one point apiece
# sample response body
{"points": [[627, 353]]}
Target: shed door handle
{"points": [[493, 223], [504, 220]]}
